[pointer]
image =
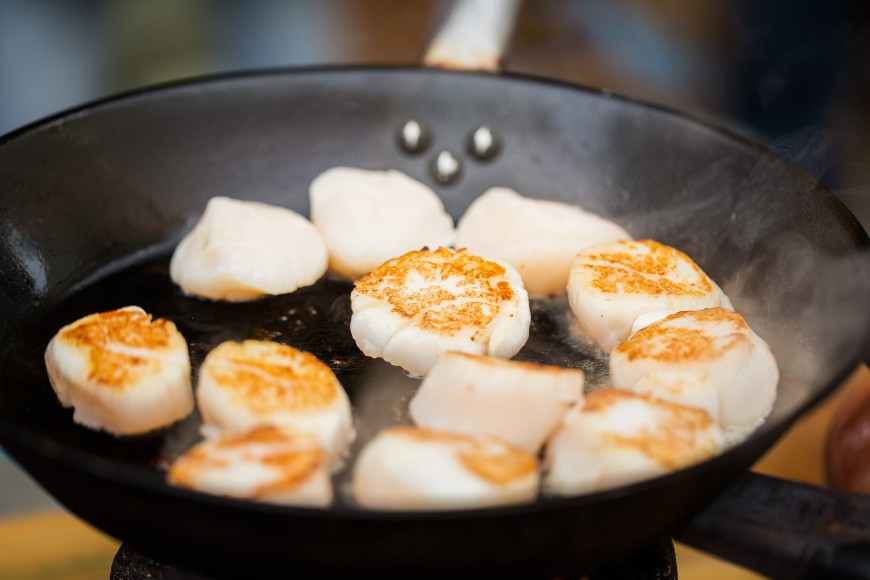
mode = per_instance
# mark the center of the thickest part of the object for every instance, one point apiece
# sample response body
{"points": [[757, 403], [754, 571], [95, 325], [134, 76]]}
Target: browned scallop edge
{"points": [[491, 459], [482, 288], [265, 376], [629, 271], [126, 328], [667, 343], [675, 443], [292, 466]]}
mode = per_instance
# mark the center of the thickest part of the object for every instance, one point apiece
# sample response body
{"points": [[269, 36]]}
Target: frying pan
{"points": [[93, 200]]}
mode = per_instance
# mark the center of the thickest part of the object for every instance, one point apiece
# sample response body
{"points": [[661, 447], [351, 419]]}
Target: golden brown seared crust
{"points": [[675, 443], [106, 335], [673, 344], [718, 315], [435, 308], [491, 459], [625, 271], [501, 468], [293, 465], [268, 375]]}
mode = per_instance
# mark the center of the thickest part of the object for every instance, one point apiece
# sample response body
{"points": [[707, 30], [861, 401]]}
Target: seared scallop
{"points": [[266, 464], [616, 438], [367, 217], [252, 383], [611, 285], [408, 468], [540, 238], [242, 250], [520, 402], [414, 308], [707, 358], [121, 371]]}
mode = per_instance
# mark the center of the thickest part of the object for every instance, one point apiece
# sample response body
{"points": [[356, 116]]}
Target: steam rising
{"points": [[783, 249], [809, 308]]}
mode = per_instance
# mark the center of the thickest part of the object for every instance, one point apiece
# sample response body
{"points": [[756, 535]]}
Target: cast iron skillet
{"points": [[93, 201]]}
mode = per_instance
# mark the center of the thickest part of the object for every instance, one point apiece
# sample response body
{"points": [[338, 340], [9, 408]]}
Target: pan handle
{"points": [[786, 529], [474, 35]]}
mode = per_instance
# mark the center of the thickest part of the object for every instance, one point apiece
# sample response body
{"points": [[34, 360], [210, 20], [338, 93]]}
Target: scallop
{"points": [[266, 464], [410, 468], [707, 358], [617, 438], [243, 250], [519, 402], [612, 285], [254, 383], [413, 309], [121, 371], [540, 238], [367, 217]]}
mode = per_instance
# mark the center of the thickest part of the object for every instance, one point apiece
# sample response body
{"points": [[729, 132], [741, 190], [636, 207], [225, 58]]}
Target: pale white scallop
{"points": [[612, 285], [243, 250], [267, 464], [408, 468], [709, 358], [252, 383], [540, 238], [367, 217], [616, 438], [121, 371], [414, 308], [520, 402]]}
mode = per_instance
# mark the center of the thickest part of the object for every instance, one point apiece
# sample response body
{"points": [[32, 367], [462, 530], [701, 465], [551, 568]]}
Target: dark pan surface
{"points": [[92, 203]]}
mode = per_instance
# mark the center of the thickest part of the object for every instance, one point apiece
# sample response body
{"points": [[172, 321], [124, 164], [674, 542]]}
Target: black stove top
{"points": [[657, 562]]}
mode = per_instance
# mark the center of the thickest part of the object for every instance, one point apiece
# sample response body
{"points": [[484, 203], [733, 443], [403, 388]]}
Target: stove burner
{"points": [[657, 562]]}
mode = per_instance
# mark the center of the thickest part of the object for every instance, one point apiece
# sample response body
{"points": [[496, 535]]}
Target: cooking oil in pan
{"points": [[314, 319]]}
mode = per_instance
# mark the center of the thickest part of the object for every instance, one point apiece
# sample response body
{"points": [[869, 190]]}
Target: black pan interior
{"points": [[92, 203]]}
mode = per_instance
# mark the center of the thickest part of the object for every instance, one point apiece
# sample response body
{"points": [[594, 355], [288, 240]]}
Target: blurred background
{"points": [[794, 75]]}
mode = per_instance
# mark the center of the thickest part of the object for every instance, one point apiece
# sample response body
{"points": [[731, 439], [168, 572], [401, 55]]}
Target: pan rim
{"points": [[194, 82]]}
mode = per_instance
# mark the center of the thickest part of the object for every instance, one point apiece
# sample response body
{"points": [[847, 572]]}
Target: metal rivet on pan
{"points": [[414, 136], [446, 167], [483, 143]]}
